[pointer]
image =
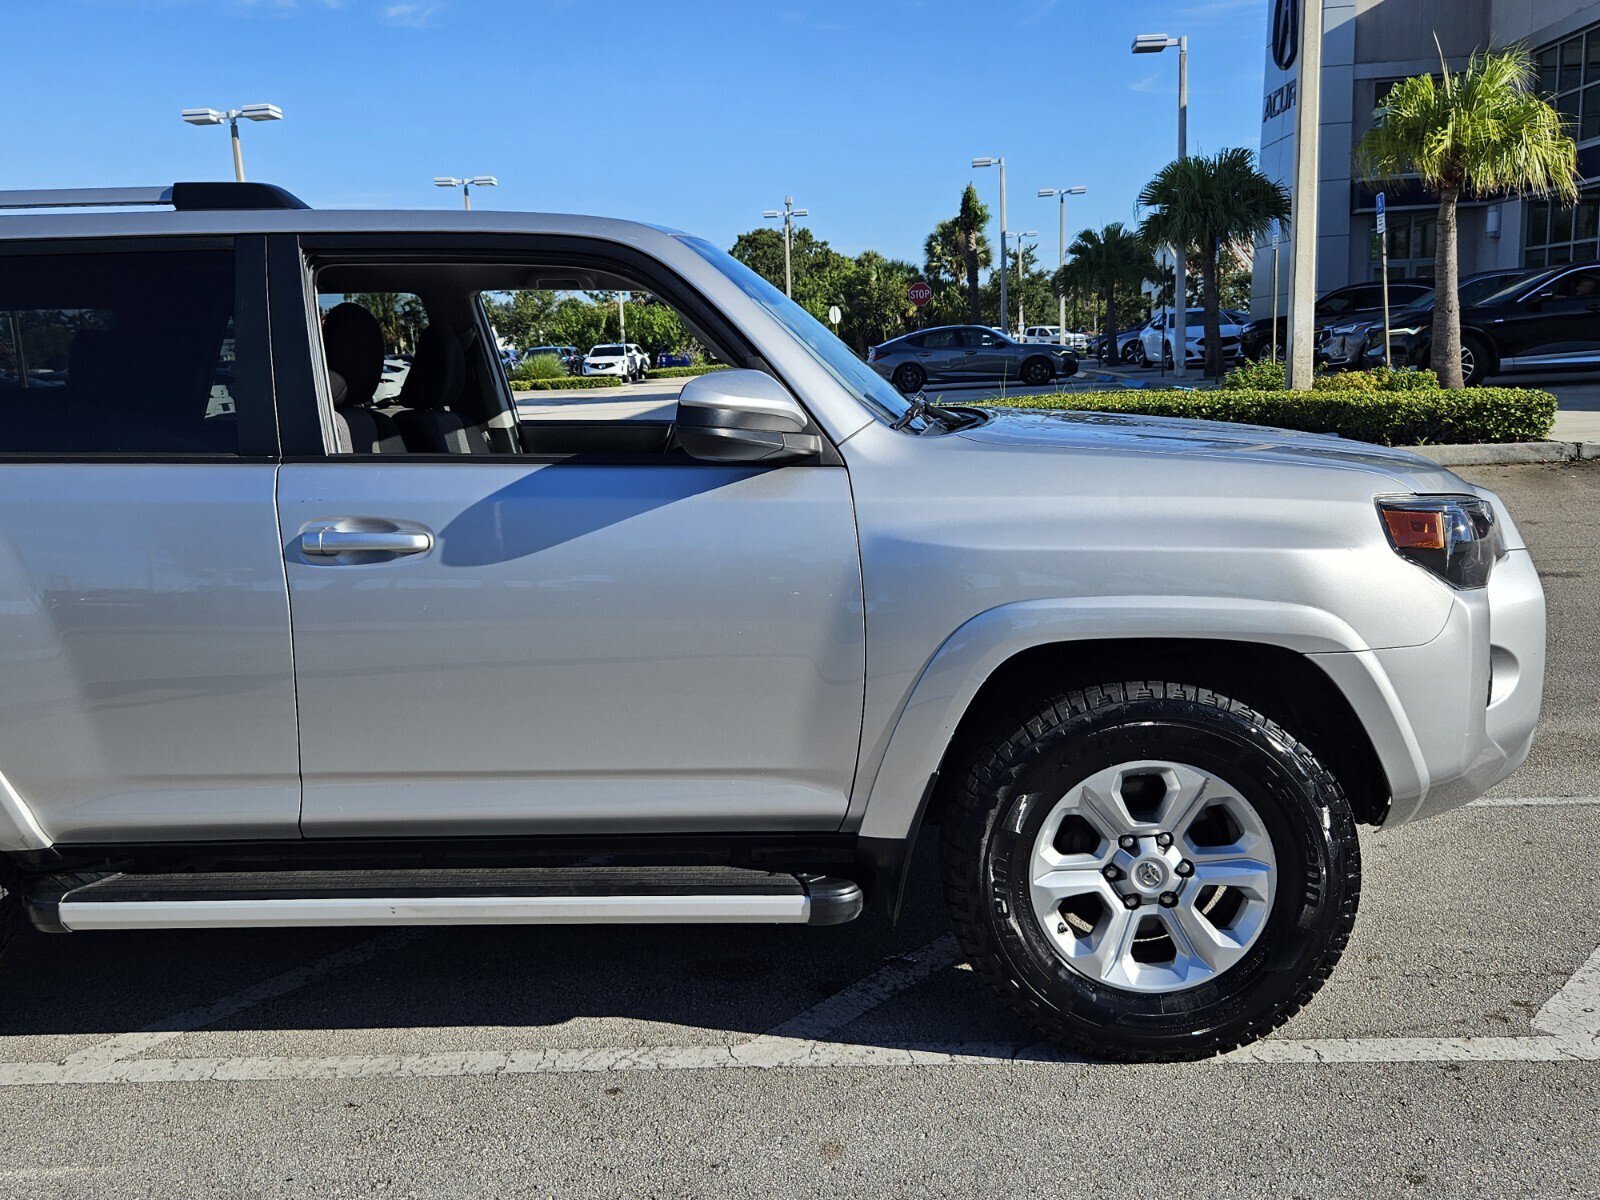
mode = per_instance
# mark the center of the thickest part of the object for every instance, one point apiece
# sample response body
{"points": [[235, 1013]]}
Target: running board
{"points": [[526, 896]]}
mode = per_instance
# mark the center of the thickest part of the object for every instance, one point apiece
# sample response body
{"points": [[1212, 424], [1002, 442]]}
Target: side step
{"points": [[525, 896]]}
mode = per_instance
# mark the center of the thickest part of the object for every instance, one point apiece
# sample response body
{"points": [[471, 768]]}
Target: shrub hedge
{"points": [[682, 372], [522, 383], [1392, 418]]}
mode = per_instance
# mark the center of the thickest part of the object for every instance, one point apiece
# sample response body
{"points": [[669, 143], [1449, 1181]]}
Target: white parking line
{"points": [[1575, 1009], [860, 998], [127, 1045], [1533, 801]]}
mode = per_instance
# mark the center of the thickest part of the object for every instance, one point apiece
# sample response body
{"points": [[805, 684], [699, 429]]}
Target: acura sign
{"points": [[1285, 32]]}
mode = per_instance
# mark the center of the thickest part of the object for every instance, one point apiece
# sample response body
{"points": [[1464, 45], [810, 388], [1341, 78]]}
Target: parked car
{"points": [[1126, 340], [297, 665], [1346, 305], [1359, 344], [569, 356], [967, 354], [1155, 340], [395, 369], [624, 359], [1545, 320], [681, 358], [1050, 335]]}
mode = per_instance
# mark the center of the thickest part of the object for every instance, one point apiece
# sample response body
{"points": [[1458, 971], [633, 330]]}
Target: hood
{"points": [[1132, 434]]}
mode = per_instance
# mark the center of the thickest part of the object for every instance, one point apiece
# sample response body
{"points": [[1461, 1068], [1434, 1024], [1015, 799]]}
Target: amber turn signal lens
{"points": [[1413, 530]]}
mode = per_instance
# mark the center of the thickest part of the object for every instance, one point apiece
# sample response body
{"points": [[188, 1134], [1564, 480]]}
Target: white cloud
{"points": [[411, 15]]}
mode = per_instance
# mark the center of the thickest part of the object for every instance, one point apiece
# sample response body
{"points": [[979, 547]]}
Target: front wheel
{"points": [[1149, 870], [1037, 372], [909, 378]]}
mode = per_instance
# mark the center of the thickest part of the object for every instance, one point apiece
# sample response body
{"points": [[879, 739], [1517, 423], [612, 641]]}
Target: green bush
{"points": [[682, 372], [1261, 376], [543, 366], [1265, 376], [565, 383], [1391, 418]]}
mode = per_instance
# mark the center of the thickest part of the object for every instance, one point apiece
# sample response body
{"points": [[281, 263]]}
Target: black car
{"points": [[1358, 344], [1547, 320], [1361, 301]]}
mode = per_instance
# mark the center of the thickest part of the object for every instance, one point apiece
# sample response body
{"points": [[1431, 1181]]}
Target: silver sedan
{"points": [[967, 354]]}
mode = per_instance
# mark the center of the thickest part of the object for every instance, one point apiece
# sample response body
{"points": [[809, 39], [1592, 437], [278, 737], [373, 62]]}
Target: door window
{"points": [[940, 339], [118, 353]]}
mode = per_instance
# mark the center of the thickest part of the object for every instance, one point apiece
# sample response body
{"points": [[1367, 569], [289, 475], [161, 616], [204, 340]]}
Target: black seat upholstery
{"points": [[432, 389], [354, 346]]}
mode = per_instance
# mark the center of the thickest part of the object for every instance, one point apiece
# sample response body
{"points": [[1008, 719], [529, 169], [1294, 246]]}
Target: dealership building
{"points": [[1367, 46]]}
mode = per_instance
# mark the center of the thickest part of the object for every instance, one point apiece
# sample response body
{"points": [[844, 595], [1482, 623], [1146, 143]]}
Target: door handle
{"points": [[329, 540]]}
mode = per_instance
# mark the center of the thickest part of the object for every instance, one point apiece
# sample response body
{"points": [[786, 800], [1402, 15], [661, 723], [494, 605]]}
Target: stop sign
{"points": [[919, 293]]}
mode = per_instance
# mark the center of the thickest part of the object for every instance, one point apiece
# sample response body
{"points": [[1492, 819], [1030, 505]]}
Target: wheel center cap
{"points": [[1149, 874]]}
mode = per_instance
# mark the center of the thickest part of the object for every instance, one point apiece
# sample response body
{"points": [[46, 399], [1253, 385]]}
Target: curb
{"points": [[1501, 454]]}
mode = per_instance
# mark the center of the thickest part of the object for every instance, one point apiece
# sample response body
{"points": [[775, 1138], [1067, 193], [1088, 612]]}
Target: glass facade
{"points": [[1569, 76], [1411, 246]]}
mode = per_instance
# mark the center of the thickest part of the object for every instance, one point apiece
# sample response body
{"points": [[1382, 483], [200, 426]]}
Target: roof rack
{"points": [[184, 197]]}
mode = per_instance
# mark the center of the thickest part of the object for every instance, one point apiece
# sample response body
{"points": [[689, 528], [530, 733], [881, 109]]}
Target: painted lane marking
{"points": [[1533, 801], [1575, 1009], [768, 1053], [140, 1041], [904, 972]]}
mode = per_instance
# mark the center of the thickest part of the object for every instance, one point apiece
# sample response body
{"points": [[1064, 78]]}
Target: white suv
{"points": [[626, 359]]}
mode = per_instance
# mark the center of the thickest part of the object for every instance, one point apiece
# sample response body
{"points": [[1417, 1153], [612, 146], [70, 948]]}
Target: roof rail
{"points": [[185, 197]]}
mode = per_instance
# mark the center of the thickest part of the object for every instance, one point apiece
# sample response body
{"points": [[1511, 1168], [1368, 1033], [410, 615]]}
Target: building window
{"points": [[1569, 77], [1411, 246], [1554, 235]]}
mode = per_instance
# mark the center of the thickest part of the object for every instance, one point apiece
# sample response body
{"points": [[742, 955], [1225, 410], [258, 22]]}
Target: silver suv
{"points": [[298, 659]]}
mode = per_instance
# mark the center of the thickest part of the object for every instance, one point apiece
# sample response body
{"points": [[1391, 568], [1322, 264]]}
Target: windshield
{"points": [[1474, 291], [860, 380], [606, 352]]}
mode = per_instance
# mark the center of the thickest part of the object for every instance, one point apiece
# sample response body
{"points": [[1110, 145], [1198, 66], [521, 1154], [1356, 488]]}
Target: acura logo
{"points": [[1285, 32]]}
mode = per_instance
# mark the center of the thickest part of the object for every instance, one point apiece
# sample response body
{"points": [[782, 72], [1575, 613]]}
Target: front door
{"points": [[144, 623], [617, 640], [1559, 326]]}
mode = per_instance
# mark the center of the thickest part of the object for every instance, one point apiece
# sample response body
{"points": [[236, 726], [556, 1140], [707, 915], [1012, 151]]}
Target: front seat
{"points": [[431, 390], [353, 343]]}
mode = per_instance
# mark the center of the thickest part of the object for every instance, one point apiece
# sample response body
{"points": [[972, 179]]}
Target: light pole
{"points": [[789, 213], [250, 112], [1155, 43], [466, 185], [1303, 210], [1022, 264], [1001, 163], [1061, 258]]}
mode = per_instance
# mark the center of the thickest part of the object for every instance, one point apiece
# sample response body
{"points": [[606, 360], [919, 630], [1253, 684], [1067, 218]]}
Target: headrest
{"points": [[438, 371], [353, 342]]}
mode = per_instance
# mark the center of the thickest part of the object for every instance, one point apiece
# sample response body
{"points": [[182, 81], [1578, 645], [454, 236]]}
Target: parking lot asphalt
{"points": [[1456, 1051]]}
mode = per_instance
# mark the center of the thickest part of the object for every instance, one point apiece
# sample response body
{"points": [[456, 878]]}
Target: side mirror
{"points": [[740, 416]]}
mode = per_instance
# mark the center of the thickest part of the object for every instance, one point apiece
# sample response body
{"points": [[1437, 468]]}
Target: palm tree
{"points": [[1207, 205], [1482, 132], [1105, 262], [959, 248]]}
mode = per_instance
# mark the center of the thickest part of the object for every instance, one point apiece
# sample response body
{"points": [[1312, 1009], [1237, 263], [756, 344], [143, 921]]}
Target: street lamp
{"points": [[466, 185], [1061, 259], [1155, 43], [250, 112], [789, 213], [1022, 263], [1001, 163]]}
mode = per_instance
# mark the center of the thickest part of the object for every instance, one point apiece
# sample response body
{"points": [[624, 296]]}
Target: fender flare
{"points": [[896, 783]]}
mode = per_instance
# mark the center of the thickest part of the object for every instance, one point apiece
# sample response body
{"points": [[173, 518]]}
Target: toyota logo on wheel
{"points": [[1285, 32]]}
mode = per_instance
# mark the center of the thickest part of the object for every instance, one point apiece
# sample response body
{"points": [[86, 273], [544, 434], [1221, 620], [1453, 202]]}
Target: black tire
{"points": [[909, 378], [1131, 352], [996, 811], [10, 903], [1140, 358], [1166, 355], [1036, 372], [1474, 360]]}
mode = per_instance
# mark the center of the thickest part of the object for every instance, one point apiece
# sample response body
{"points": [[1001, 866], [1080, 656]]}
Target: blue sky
{"points": [[695, 113]]}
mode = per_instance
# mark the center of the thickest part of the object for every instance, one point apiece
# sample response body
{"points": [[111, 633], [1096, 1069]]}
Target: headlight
{"points": [[1455, 537], [1405, 330]]}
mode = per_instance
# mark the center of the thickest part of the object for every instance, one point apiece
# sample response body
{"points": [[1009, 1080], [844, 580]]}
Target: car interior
{"points": [[456, 399]]}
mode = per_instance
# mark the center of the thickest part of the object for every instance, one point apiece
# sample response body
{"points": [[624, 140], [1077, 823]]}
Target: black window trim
{"points": [[252, 392], [293, 260]]}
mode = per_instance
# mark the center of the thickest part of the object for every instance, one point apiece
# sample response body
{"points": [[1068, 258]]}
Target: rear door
{"points": [[571, 640], [1558, 325], [148, 689]]}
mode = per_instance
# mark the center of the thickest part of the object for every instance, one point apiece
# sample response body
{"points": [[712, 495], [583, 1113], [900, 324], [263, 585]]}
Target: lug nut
{"points": [[1127, 841], [1112, 873], [1163, 840], [1185, 868], [1130, 902], [1169, 899]]}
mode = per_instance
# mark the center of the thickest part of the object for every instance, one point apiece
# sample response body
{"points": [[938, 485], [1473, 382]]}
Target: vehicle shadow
{"points": [[539, 985]]}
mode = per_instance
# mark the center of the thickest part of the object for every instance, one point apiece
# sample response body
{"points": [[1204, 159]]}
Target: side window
{"points": [[941, 339], [118, 353], [1578, 285], [981, 337]]}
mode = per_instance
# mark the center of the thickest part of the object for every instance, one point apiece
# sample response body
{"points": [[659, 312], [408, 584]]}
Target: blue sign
{"points": [[1383, 218]]}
